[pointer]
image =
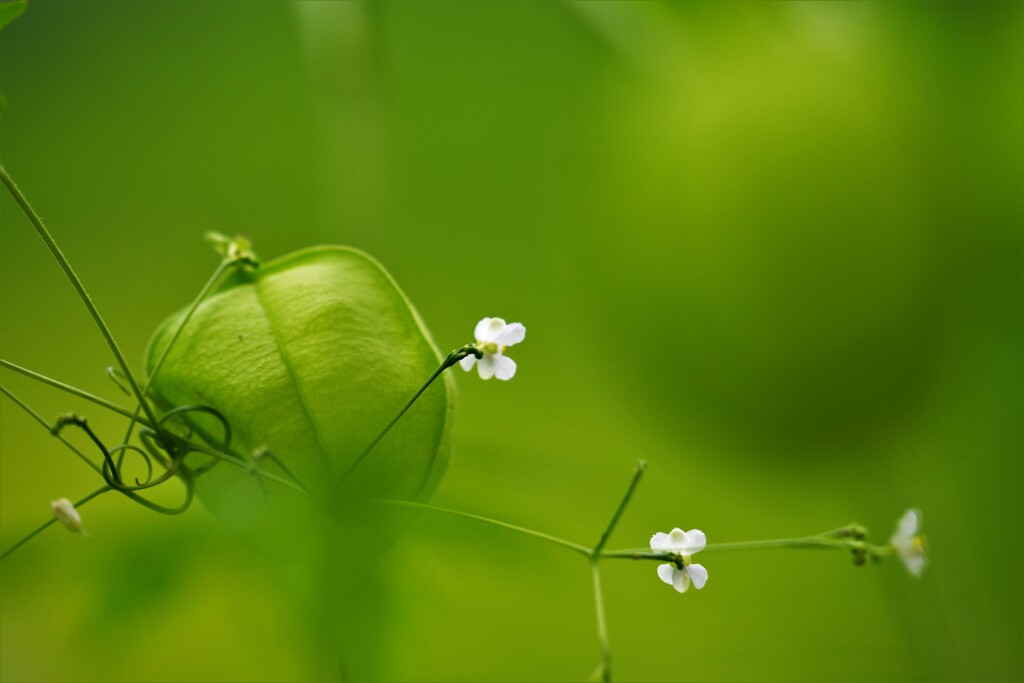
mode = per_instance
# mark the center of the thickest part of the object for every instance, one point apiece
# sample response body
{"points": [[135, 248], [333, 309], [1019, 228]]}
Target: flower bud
{"points": [[66, 514]]}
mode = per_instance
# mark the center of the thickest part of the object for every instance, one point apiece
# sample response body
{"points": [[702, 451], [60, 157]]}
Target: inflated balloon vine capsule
{"points": [[307, 357]]}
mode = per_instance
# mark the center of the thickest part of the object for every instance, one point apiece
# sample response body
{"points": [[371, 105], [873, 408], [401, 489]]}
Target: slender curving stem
{"points": [[203, 293], [48, 427], [638, 472], [575, 547], [76, 282], [453, 358], [42, 527], [74, 391]]}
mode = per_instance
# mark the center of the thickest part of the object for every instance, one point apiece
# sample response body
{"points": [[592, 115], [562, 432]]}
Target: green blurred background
{"points": [[773, 249]]}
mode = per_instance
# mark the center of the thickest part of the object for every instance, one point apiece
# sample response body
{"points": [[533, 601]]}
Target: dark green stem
{"points": [[453, 358], [76, 421]]}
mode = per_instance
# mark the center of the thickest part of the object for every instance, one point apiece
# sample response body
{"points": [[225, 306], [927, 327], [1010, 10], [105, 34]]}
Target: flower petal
{"points": [[914, 562], [488, 329], [486, 366], [677, 539], [513, 334], [665, 573], [504, 367], [680, 580], [468, 362], [907, 527], [698, 574], [696, 541], [660, 542]]}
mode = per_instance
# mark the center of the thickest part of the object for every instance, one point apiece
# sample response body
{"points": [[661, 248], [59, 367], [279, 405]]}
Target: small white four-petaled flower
{"points": [[908, 542], [66, 514], [493, 336], [684, 543]]}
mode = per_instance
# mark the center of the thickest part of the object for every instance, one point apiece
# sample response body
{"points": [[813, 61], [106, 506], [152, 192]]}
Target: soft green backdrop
{"points": [[773, 249]]}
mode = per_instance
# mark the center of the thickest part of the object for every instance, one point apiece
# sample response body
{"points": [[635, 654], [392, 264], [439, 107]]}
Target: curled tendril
{"points": [[176, 469], [169, 449], [183, 446], [186, 479], [110, 471], [125, 448], [155, 446], [181, 414], [160, 444]]}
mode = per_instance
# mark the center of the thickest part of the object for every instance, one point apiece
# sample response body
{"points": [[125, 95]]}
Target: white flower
{"points": [[685, 543], [493, 336], [66, 514], [909, 543]]}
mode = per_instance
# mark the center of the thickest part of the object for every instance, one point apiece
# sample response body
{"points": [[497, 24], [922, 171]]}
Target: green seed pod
{"points": [[310, 356]]}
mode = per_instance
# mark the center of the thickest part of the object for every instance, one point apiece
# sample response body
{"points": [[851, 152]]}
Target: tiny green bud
{"points": [[237, 249]]}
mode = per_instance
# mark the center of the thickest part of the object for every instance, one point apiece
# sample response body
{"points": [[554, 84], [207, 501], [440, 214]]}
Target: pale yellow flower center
{"points": [[491, 347]]}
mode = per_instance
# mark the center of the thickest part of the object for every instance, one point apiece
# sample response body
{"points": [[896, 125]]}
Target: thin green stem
{"points": [[265, 453], [808, 542], [42, 527], [235, 460], [75, 391], [203, 293], [849, 531], [638, 472], [602, 623], [575, 547], [595, 556], [453, 358], [48, 427], [80, 288]]}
